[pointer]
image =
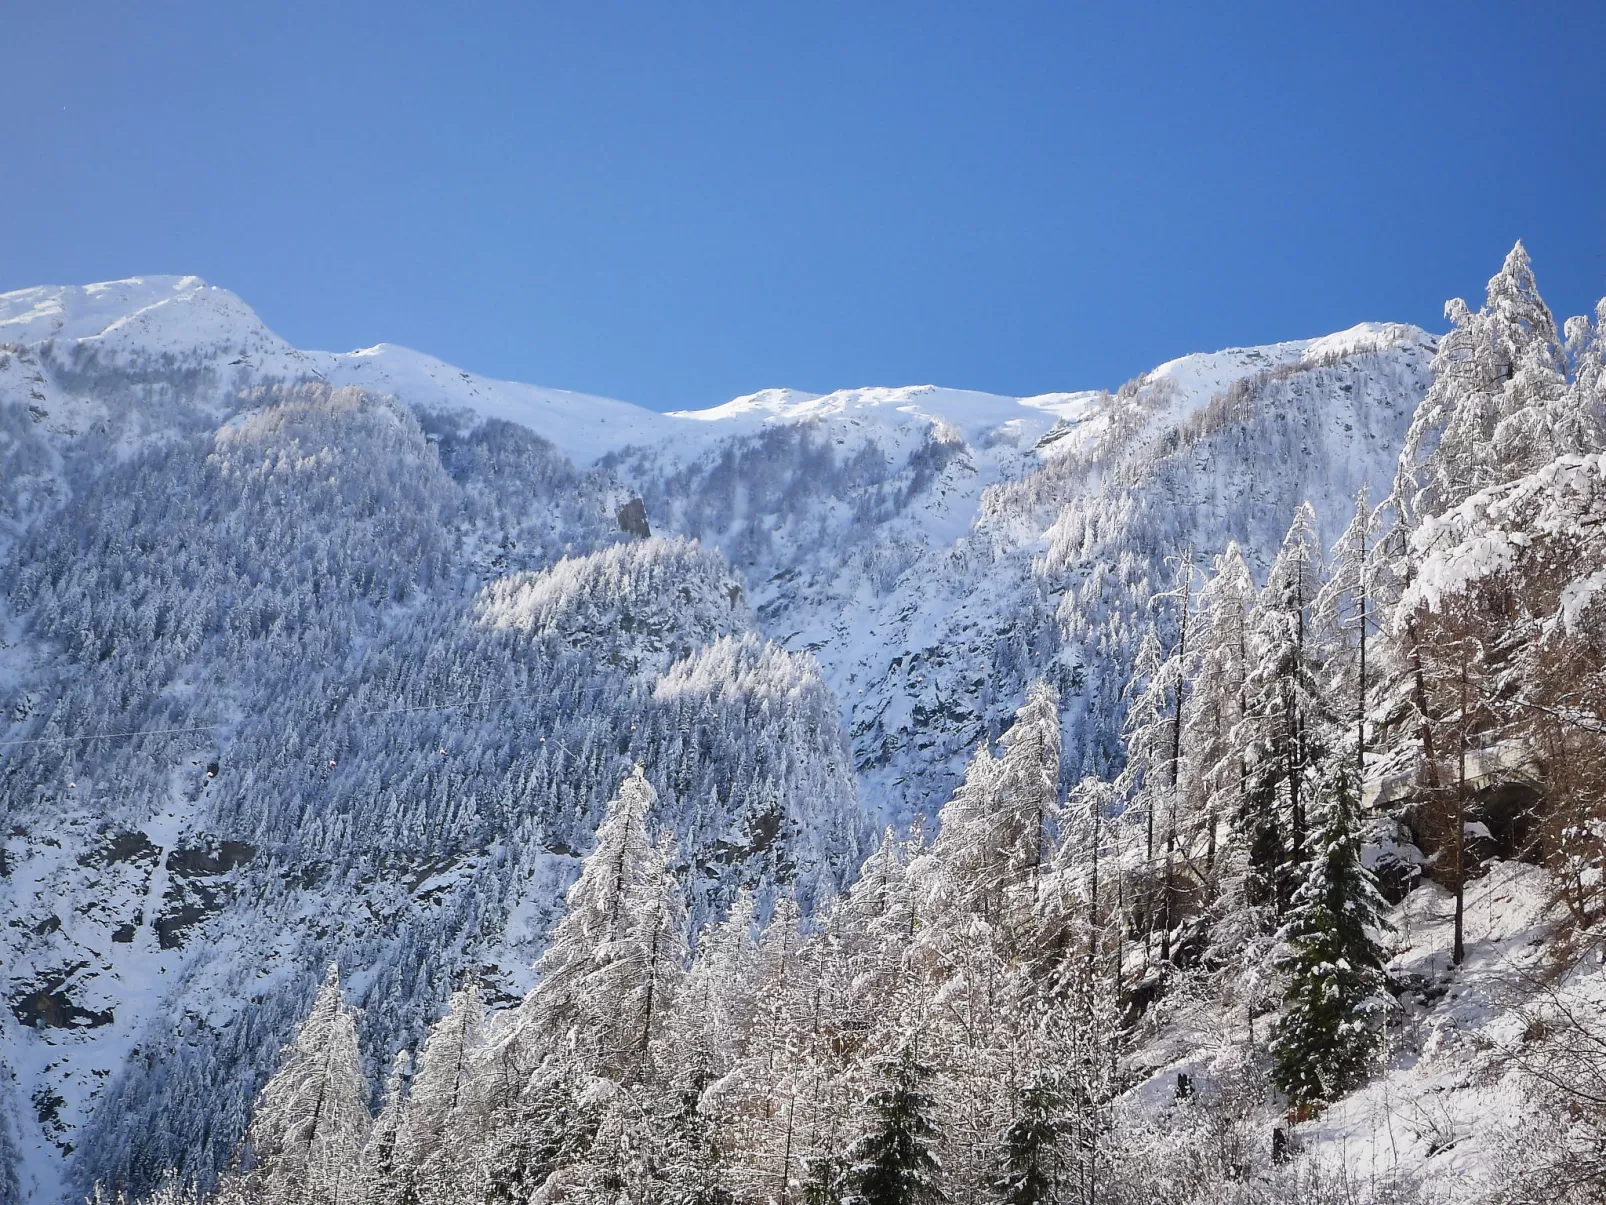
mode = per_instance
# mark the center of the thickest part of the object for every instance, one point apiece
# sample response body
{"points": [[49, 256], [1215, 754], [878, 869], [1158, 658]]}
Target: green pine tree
{"points": [[1030, 1154], [1334, 961], [893, 1162], [822, 1180]]}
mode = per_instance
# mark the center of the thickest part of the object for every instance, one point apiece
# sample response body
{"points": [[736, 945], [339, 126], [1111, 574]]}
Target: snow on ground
{"points": [[1441, 1109], [976, 416]]}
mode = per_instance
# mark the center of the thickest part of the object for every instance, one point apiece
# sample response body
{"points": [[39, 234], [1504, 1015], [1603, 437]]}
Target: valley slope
{"points": [[390, 634]]}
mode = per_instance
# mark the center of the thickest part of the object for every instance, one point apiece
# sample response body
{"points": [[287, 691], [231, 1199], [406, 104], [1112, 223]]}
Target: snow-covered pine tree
{"points": [[549, 1128], [1029, 1155], [1177, 674], [1496, 652], [442, 1120], [1214, 758], [1494, 378], [709, 1025], [753, 1106], [968, 846], [964, 968], [1346, 612], [1334, 1003], [1581, 426], [1028, 787], [1080, 1037], [657, 933], [1287, 711], [1144, 781], [385, 1179], [870, 927], [893, 1161], [706, 1036], [312, 1119], [581, 988]]}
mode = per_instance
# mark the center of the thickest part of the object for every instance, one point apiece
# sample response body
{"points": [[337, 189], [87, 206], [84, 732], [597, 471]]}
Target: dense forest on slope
{"points": [[1176, 981], [1236, 739]]}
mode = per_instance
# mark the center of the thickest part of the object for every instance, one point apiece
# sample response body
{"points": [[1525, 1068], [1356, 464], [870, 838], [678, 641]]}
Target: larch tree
{"points": [[1346, 611], [1287, 710], [312, 1118], [586, 978], [385, 1176], [442, 1120], [1178, 671], [1215, 762], [1144, 781], [656, 958]]}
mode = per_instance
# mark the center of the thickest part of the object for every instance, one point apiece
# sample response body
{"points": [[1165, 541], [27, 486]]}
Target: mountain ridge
{"points": [[168, 314]]}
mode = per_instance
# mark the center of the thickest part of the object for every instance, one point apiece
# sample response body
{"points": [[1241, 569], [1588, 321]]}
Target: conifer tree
{"points": [[1287, 709], [656, 962], [1215, 759], [1334, 960], [1144, 781], [893, 1161], [1498, 376], [312, 1118], [1029, 781], [589, 971], [1148, 736], [442, 1118], [967, 842], [1029, 1150], [384, 1174]]}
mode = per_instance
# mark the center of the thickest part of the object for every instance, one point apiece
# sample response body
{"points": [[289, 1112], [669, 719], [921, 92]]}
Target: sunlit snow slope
{"points": [[412, 647]]}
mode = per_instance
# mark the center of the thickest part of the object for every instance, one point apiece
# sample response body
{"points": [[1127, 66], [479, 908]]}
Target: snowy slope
{"points": [[182, 319], [931, 546], [915, 555], [1447, 1106]]}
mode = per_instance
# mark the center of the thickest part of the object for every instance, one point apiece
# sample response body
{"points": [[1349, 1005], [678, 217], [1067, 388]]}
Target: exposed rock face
{"points": [[633, 519]]}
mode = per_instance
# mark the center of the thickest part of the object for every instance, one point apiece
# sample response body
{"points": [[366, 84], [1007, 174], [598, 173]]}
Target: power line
{"points": [[110, 736]]}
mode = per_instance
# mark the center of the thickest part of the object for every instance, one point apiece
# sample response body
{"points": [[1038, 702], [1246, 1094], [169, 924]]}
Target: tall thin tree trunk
{"points": [[1176, 762], [1459, 952], [1360, 685], [1419, 694]]}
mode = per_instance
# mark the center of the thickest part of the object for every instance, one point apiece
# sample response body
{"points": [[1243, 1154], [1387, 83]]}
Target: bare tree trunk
{"points": [[1360, 685], [1419, 694], [1459, 952]]}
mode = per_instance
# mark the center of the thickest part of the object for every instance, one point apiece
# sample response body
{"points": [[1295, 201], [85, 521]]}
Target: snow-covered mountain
{"points": [[310, 654]]}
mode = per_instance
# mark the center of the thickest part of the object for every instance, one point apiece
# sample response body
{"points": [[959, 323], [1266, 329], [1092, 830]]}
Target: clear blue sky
{"points": [[675, 204]]}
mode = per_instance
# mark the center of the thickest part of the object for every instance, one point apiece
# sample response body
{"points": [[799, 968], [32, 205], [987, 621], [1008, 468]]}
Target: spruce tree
{"points": [[893, 1162], [1029, 1155], [1334, 961]]}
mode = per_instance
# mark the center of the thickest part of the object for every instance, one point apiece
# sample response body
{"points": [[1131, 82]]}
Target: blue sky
{"points": [[675, 204]]}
